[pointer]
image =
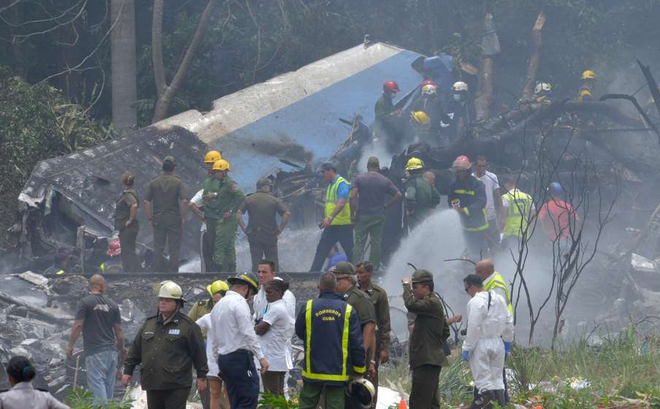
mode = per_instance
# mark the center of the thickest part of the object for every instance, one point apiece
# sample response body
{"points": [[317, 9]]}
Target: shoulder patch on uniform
{"points": [[234, 187], [345, 295]]}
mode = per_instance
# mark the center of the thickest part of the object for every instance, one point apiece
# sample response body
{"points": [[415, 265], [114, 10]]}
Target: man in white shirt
{"points": [[488, 341], [275, 331], [266, 273], [235, 342], [493, 199], [206, 244]]}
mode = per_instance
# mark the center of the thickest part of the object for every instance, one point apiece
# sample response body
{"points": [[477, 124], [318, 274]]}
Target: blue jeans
{"points": [[101, 372]]}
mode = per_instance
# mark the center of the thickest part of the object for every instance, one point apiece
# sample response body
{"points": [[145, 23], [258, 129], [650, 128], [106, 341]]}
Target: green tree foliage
{"points": [[37, 122]]}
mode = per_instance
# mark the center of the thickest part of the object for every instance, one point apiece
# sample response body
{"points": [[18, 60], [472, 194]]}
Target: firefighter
{"points": [[421, 196], [517, 213], [330, 330], [467, 196], [588, 86]]}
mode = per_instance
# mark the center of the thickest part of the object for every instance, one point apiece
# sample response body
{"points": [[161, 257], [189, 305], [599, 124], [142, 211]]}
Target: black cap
{"points": [[328, 166]]}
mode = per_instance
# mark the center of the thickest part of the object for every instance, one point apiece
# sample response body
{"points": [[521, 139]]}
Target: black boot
{"points": [[483, 401], [501, 397]]}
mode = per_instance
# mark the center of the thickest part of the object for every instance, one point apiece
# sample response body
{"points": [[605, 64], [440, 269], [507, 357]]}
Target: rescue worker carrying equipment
{"points": [[467, 195], [489, 336]]}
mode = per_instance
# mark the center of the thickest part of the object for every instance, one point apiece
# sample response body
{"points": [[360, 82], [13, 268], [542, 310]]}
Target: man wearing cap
{"points": [[361, 303], [235, 342], [262, 231], [467, 196], [369, 192], [330, 331], [427, 340], [421, 196], [167, 346], [213, 397], [222, 198], [170, 205], [336, 224]]}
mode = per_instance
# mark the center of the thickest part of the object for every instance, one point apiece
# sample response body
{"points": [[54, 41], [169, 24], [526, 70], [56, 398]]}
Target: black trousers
{"points": [[242, 379], [424, 391], [167, 398], [330, 236], [127, 240]]}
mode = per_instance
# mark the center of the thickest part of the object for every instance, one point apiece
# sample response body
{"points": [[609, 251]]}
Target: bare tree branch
{"points": [[532, 67]]}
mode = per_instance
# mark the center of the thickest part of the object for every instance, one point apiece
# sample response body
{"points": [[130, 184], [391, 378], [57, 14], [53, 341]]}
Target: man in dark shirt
{"points": [[99, 320], [368, 193], [170, 206], [262, 231]]}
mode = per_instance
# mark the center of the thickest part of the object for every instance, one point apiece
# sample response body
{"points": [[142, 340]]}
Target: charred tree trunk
{"points": [[535, 59], [166, 92]]}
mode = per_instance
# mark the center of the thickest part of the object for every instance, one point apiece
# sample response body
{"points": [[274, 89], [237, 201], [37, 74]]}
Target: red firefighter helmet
{"points": [[391, 86]]}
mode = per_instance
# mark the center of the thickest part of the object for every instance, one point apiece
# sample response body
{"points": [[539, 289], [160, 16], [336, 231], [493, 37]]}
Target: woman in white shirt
{"points": [[218, 401], [22, 394], [275, 331]]}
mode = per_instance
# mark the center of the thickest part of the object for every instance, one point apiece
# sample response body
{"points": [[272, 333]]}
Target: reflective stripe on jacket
{"points": [[498, 282], [471, 195], [331, 199], [331, 332], [520, 206]]}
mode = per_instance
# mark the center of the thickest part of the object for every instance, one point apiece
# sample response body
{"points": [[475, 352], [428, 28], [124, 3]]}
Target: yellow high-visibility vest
{"points": [[498, 282], [343, 217], [520, 205]]}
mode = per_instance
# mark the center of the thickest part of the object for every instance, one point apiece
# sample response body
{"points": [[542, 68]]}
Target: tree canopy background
{"points": [[56, 55]]}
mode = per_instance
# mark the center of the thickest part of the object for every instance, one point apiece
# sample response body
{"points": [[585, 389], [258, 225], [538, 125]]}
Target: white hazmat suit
{"points": [[488, 329]]}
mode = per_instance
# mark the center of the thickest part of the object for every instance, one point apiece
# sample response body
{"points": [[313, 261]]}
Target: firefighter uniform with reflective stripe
{"points": [[497, 281], [472, 196], [330, 331], [520, 206]]}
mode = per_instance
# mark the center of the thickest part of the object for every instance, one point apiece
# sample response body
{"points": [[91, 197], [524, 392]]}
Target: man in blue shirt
{"points": [[336, 223]]}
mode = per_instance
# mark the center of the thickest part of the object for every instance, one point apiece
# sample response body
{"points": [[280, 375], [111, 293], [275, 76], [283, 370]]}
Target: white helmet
{"points": [[361, 392], [429, 89], [459, 86], [170, 290], [542, 87]]}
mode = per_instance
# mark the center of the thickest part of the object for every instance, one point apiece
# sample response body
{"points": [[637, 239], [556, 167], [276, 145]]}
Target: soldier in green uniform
{"points": [[427, 339], [170, 205], [127, 225], [360, 301], [381, 304], [421, 196], [167, 346], [222, 198]]}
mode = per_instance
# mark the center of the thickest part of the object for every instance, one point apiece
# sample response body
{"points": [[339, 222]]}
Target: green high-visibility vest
{"points": [[520, 206], [498, 282]]}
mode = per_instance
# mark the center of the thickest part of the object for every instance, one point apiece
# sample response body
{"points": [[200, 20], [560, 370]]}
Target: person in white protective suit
{"points": [[489, 337]]}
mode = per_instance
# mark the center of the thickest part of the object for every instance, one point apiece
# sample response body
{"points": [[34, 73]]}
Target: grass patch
{"points": [[623, 372]]}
